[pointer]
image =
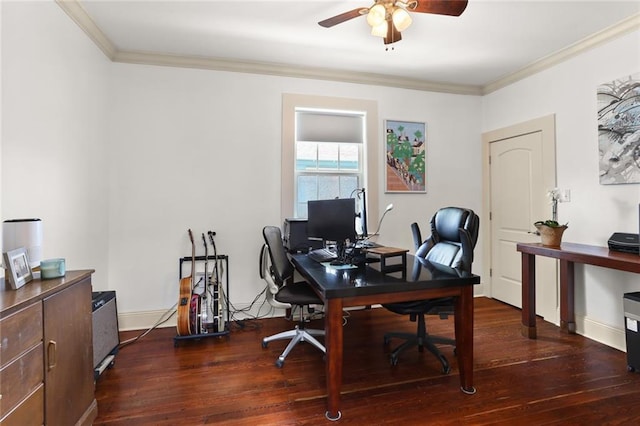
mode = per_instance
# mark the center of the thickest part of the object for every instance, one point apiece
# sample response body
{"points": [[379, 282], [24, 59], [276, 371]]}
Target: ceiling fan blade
{"points": [[393, 34], [440, 7], [343, 17]]}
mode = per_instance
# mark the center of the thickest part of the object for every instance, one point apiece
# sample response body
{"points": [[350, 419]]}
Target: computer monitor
{"points": [[332, 220]]}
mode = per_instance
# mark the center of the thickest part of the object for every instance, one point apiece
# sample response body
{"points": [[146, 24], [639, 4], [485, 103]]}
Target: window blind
{"points": [[317, 126]]}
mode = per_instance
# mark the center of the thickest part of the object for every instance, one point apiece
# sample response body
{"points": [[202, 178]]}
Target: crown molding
{"points": [[283, 70], [78, 14], [623, 27]]}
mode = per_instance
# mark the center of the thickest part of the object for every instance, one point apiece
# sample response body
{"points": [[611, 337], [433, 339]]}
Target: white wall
{"points": [[201, 149], [54, 164], [568, 90], [122, 159]]}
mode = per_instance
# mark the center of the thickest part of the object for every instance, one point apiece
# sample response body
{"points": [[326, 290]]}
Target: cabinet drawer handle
{"points": [[51, 355]]}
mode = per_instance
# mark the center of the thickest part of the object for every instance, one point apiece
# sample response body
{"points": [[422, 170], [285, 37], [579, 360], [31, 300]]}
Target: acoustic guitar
{"points": [[184, 300]]}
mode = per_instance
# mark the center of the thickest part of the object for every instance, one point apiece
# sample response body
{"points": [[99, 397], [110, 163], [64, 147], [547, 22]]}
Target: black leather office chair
{"points": [[454, 233], [282, 292]]}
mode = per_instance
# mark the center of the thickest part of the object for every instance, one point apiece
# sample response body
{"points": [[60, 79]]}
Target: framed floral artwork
{"points": [[405, 156]]}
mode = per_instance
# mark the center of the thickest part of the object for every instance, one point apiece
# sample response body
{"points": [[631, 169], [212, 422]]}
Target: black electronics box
{"points": [[628, 243], [631, 303], [105, 330], [295, 236]]}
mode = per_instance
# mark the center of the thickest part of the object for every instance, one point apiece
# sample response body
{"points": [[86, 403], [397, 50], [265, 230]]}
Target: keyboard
{"points": [[322, 255]]}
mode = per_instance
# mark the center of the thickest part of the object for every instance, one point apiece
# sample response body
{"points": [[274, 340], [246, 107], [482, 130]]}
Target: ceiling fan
{"points": [[388, 18]]}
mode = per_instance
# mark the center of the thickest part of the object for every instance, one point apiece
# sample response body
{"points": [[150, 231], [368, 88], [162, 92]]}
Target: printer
{"points": [[628, 243]]}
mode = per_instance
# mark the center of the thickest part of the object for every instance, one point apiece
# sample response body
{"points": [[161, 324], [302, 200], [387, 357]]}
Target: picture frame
{"points": [[618, 145], [405, 156], [18, 270]]}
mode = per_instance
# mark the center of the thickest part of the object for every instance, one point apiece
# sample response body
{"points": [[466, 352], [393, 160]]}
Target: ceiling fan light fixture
{"points": [[376, 15], [410, 5], [380, 30], [401, 19]]}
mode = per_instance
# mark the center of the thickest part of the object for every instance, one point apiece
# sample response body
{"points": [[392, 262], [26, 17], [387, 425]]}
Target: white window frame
{"points": [[290, 103], [360, 172]]}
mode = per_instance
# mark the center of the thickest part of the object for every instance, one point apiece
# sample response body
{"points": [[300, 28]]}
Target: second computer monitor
{"points": [[332, 220]]}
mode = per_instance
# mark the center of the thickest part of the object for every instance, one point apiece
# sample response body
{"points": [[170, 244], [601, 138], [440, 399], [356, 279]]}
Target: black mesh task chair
{"points": [[454, 233], [283, 293]]}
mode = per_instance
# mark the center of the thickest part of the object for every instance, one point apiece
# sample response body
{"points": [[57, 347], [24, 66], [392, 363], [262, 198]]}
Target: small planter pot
{"points": [[551, 236]]}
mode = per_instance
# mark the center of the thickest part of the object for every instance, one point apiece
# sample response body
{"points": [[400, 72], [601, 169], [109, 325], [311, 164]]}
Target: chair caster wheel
{"points": [[265, 344], [446, 370], [631, 368], [279, 363], [393, 360]]}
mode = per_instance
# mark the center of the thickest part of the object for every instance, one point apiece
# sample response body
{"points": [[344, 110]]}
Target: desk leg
{"points": [[464, 338], [567, 313], [528, 295], [333, 344]]}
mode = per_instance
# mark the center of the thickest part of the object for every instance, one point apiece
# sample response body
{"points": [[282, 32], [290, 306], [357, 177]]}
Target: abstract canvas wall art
{"points": [[619, 130]]}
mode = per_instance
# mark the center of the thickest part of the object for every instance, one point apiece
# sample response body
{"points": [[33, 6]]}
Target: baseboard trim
{"points": [[603, 333], [144, 320]]}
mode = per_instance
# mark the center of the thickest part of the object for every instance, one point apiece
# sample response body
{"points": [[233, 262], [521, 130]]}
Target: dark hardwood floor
{"points": [[556, 379]]}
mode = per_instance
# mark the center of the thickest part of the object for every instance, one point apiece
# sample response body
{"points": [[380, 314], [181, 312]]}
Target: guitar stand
{"points": [[225, 330]]}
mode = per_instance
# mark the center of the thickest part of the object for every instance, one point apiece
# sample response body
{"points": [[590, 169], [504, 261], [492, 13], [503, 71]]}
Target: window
{"points": [[329, 148]]}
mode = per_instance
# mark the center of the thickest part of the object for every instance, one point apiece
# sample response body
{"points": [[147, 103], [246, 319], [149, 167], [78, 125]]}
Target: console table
{"points": [[568, 254]]}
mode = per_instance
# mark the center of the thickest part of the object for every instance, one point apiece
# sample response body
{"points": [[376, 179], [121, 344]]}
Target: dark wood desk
{"points": [[368, 286], [569, 254]]}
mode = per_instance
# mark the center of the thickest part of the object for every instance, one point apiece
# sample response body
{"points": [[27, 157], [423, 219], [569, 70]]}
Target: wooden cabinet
{"points": [[21, 360], [68, 354], [46, 353]]}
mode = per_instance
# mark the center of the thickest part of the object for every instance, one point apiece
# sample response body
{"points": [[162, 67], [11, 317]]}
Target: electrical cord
{"points": [[243, 323], [345, 317], [170, 312]]}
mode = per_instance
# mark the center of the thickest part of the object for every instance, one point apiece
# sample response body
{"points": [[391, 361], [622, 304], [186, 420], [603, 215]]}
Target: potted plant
{"points": [[550, 232]]}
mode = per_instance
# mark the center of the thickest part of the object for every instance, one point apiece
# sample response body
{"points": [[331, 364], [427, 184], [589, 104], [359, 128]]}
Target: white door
{"points": [[518, 187]]}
